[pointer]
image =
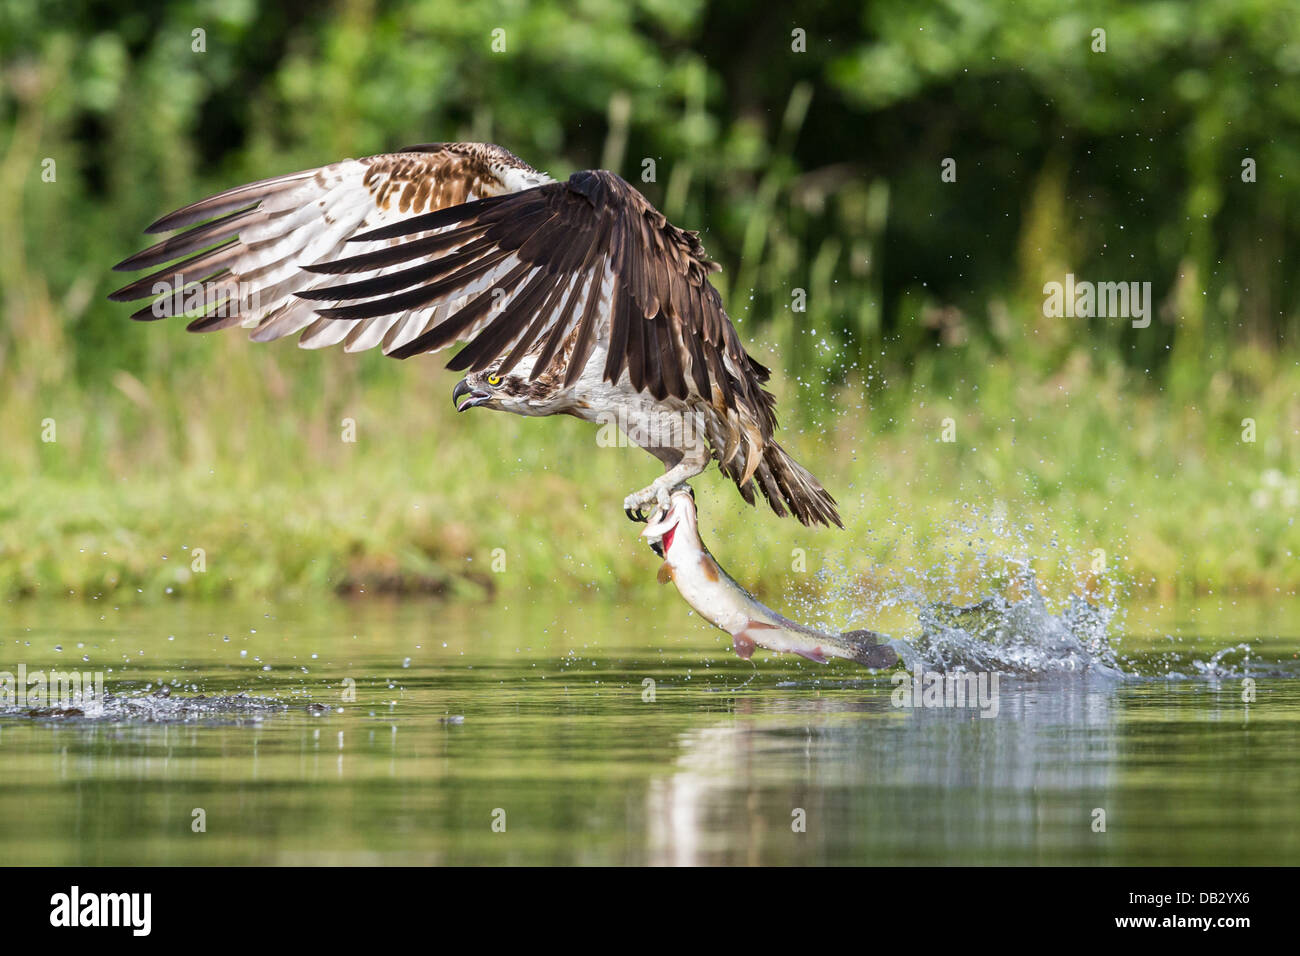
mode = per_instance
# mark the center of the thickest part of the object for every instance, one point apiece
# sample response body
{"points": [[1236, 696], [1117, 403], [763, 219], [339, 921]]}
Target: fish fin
{"points": [[744, 640], [870, 651], [665, 573], [814, 655]]}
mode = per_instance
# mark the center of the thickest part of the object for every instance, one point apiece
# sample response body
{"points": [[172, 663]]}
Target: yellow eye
{"points": [[494, 379]]}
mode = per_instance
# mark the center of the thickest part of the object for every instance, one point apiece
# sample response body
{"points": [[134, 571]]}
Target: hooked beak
{"points": [[476, 396]]}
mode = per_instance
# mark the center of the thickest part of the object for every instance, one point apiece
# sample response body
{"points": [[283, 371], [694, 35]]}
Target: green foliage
{"points": [[812, 172]]}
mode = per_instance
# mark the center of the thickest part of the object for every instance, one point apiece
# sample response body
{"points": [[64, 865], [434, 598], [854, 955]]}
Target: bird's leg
{"points": [[694, 461]]}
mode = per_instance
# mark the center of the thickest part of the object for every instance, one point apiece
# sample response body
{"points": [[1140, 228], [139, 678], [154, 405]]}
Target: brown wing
{"points": [[569, 263], [239, 259], [465, 243]]}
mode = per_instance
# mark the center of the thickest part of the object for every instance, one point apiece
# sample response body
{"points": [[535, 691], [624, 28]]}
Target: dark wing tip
{"points": [[406, 351], [174, 220], [163, 224], [150, 313]]}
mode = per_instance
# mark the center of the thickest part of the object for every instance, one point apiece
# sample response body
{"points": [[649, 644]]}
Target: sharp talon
{"points": [[628, 512], [640, 516]]}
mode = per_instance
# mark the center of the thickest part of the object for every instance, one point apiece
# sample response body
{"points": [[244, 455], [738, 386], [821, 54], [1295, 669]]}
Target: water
{"points": [[539, 715]]}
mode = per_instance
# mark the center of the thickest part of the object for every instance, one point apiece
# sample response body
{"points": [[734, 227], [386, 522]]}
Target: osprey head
{"points": [[507, 393]]}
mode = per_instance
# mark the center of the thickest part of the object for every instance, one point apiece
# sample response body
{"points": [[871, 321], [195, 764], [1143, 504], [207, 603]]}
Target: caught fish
{"points": [[674, 535]]}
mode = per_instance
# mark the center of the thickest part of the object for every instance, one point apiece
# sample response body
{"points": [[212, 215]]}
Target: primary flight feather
{"points": [[574, 297]]}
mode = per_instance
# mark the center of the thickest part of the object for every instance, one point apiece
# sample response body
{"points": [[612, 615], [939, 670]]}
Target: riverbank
{"points": [[284, 473]]}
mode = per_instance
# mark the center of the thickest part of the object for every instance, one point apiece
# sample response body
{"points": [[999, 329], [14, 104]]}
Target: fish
{"points": [[673, 533]]}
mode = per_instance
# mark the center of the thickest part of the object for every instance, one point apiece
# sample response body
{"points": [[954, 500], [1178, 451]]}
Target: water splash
{"points": [[144, 707], [1020, 636], [1218, 667], [982, 609]]}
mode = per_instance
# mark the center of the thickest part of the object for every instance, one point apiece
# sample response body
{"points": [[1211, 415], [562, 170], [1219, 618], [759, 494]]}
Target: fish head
{"points": [[675, 523]]}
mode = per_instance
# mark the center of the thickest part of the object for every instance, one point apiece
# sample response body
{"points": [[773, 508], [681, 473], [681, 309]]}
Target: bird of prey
{"points": [[575, 298]]}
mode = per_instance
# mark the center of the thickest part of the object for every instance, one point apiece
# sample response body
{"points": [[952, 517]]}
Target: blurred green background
{"points": [[806, 144]]}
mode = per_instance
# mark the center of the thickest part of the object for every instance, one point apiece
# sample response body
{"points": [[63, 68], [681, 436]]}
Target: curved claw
{"points": [[634, 515]]}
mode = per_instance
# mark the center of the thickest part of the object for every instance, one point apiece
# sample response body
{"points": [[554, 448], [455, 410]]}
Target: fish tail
{"points": [[870, 649]]}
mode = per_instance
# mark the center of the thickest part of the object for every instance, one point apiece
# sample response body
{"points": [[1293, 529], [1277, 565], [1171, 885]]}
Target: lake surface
{"points": [[535, 733]]}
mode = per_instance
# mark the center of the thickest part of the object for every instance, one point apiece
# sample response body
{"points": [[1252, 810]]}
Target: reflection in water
{"points": [[389, 734], [970, 779]]}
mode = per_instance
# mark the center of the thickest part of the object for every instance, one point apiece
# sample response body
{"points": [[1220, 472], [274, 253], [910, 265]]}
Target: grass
{"points": [[1061, 454], [1093, 471], [238, 450]]}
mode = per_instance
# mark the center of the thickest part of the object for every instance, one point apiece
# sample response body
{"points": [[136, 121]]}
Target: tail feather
{"points": [[786, 483]]}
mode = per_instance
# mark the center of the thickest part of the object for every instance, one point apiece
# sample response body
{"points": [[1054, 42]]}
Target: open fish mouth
{"points": [[662, 526]]}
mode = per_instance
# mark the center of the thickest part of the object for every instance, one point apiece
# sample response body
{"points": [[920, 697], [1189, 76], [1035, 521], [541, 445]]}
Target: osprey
{"points": [[575, 298]]}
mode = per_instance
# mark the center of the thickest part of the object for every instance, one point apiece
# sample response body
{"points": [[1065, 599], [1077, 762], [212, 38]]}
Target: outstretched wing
{"points": [[239, 259], [459, 242], [550, 272], [463, 242]]}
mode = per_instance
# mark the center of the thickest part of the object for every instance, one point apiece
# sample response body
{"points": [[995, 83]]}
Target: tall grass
{"points": [[165, 442], [246, 460]]}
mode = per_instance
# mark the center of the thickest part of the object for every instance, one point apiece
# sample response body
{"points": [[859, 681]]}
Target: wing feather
{"points": [[413, 251], [258, 246], [561, 294]]}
